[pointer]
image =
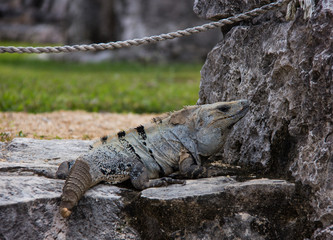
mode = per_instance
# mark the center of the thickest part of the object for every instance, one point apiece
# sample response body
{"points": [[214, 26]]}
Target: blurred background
{"points": [[95, 21], [153, 78], [40, 95]]}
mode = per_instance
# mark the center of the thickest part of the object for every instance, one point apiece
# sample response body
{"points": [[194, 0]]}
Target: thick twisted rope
{"points": [[146, 40]]}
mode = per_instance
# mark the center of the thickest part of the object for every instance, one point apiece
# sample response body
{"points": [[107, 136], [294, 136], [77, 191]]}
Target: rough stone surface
{"points": [[218, 9], [2, 145], [285, 69], [29, 210], [40, 152], [32, 156], [213, 208], [30, 196], [221, 208]]}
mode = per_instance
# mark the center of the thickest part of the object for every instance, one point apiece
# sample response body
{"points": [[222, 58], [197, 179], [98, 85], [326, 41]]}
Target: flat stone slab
{"points": [[30, 195], [216, 185], [23, 189], [29, 209], [35, 151], [27, 156], [219, 208], [210, 208]]}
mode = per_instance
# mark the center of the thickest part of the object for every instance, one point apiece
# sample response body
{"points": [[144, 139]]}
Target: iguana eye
{"points": [[224, 108]]}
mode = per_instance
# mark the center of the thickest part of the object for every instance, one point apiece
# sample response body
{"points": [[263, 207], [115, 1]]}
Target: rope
{"points": [[147, 40]]}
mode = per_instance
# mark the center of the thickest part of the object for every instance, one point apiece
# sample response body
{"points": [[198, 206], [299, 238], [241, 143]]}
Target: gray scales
{"points": [[149, 154]]}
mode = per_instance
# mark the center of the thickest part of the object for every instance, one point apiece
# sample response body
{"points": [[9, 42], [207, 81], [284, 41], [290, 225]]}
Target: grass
{"points": [[33, 85]]}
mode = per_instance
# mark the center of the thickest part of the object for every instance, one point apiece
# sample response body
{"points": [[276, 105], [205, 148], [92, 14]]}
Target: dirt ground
{"points": [[67, 124]]}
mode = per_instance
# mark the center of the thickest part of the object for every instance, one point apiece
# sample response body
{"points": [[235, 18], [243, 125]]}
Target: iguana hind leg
{"points": [[140, 180], [64, 169]]}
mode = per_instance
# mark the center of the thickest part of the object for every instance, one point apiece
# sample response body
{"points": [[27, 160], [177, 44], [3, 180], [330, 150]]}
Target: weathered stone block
{"points": [[220, 208], [285, 69], [212, 208], [29, 209]]}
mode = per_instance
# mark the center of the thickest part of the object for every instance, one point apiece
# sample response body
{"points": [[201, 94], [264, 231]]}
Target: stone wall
{"points": [[87, 21], [285, 69]]}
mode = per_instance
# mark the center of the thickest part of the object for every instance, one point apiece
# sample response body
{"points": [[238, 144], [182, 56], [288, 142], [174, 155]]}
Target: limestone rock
{"points": [[29, 210], [285, 69], [2, 145], [323, 234], [220, 208], [35, 151], [218, 9], [211, 208], [30, 196], [25, 155]]}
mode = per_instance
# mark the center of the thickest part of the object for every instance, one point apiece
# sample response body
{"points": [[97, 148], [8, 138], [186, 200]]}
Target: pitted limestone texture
{"points": [[220, 208], [285, 69], [215, 10]]}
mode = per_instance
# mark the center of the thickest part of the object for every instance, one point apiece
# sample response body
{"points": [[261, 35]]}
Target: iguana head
{"points": [[214, 122]]}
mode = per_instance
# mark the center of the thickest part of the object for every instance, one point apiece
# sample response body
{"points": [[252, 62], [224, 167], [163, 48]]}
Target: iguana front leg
{"points": [[140, 180], [190, 169]]}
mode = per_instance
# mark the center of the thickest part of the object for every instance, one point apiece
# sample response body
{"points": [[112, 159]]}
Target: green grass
{"points": [[32, 85]]}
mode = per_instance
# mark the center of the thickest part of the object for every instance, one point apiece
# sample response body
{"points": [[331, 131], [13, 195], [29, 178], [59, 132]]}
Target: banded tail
{"points": [[77, 183]]}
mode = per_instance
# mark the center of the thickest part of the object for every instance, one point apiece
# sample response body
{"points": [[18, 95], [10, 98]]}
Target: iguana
{"points": [[149, 153]]}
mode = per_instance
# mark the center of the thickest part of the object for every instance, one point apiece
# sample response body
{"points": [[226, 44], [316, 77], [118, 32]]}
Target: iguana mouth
{"points": [[241, 112]]}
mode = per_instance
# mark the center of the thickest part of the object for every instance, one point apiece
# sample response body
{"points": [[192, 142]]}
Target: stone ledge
{"points": [[204, 208], [216, 185], [53, 152], [29, 209], [211, 208]]}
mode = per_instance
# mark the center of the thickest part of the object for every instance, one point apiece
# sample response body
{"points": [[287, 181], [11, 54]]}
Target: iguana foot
{"points": [[164, 181], [169, 180], [140, 180], [63, 170]]}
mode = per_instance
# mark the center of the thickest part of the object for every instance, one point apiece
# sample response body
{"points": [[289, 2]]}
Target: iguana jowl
{"points": [[148, 154]]}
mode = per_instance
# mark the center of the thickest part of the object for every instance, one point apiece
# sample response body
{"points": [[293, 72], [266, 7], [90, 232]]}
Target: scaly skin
{"points": [[148, 154]]}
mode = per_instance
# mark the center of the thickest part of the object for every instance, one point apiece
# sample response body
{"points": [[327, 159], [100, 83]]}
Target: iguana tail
{"points": [[77, 183]]}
